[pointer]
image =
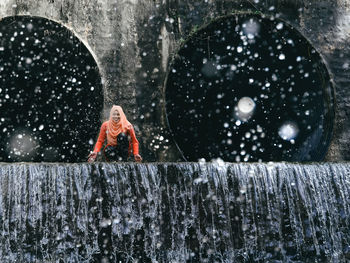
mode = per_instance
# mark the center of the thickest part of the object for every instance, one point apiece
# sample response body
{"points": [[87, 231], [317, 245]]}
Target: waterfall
{"points": [[174, 212]]}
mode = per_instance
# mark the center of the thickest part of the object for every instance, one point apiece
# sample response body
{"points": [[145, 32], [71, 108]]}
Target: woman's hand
{"points": [[138, 158], [92, 157]]}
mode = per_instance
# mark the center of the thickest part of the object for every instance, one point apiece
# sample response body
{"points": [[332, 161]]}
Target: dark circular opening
{"points": [[249, 88], [50, 93]]}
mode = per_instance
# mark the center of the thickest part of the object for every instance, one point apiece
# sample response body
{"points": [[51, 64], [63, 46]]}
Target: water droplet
{"points": [[246, 105], [288, 131], [233, 67], [281, 57], [279, 26]]}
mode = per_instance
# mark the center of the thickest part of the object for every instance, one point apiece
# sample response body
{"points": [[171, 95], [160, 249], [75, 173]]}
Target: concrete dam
{"points": [[240, 108]]}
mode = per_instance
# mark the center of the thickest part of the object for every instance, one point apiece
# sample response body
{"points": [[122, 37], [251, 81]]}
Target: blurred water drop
{"points": [[288, 131], [279, 26], [281, 57], [246, 105], [251, 27], [22, 147]]}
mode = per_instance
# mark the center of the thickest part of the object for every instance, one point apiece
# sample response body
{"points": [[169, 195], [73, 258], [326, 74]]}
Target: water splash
{"points": [[185, 212]]}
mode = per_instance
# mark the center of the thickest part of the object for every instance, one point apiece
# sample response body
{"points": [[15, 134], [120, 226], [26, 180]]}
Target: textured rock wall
{"points": [[133, 42]]}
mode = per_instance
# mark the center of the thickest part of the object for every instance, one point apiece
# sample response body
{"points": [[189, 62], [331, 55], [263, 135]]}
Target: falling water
{"points": [[165, 212]]}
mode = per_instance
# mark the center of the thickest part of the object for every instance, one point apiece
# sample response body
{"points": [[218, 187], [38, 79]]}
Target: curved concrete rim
{"points": [[85, 43]]}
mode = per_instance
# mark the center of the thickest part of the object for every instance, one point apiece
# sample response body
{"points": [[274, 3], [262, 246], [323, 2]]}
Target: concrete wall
{"points": [[134, 40]]}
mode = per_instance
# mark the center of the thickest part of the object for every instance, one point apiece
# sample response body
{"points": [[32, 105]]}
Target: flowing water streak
{"points": [[167, 212]]}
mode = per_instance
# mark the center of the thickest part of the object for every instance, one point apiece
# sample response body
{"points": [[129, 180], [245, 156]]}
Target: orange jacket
{"points": [[133, 144]]}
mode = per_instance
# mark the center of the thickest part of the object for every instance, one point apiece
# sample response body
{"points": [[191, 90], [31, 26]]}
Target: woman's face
{"points": [[116, 116]]}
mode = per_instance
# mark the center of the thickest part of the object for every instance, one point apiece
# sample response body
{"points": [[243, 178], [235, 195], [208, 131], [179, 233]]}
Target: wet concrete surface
{"points": [[133, 43]]}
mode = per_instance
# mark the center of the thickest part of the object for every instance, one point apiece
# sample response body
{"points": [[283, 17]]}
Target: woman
{"points": [[121, 139]]}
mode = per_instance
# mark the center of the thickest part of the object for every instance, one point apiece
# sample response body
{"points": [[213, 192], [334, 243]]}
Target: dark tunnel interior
{"points": [[249, 88], [50, 93]]}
